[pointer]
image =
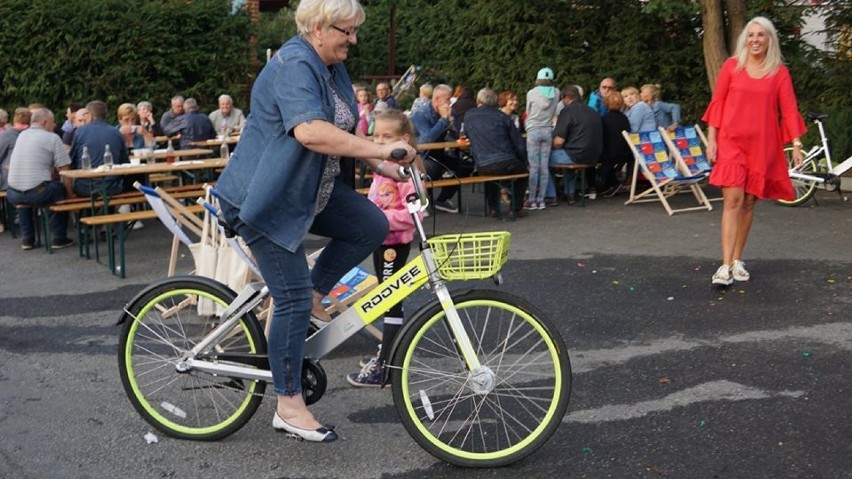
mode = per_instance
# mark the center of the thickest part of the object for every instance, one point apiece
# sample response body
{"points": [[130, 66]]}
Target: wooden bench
{"points": [[576, 167], [122, 220], [127, 198]]}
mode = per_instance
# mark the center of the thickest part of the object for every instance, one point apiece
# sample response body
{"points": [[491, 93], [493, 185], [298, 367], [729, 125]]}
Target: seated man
{"points": [[37, 156], [227, 117], [497, 148], [192, 125], [175, 111], [383, 93], [431, 125], [577, 139], [81, 117], [97, 136], [596, 99]]}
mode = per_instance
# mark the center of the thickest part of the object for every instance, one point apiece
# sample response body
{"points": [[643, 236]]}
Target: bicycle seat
{"points": [[814, 116]]}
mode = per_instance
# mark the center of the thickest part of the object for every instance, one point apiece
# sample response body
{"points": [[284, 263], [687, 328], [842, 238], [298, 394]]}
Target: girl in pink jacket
{"points": [[389, 195]]}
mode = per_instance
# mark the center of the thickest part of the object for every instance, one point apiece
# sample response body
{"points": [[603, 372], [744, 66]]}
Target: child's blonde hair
{"points": [[404, 127]]}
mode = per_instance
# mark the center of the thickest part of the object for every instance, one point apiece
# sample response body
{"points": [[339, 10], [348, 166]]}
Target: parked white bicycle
{"points": [[817, 168]]}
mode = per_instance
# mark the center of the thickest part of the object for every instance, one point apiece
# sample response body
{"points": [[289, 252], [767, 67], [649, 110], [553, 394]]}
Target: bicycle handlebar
{"points": [[409, 172]]}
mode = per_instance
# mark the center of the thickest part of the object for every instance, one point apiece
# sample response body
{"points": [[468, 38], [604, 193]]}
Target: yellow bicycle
{"points": [[480, 378]]}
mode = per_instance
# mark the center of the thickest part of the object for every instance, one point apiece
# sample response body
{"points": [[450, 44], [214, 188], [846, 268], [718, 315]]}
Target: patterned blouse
{"points": [[344, 120]]}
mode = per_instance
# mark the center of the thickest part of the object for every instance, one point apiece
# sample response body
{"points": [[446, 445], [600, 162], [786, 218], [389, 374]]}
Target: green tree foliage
{"points": [[122, 51], [129, 50], [503, 43]]}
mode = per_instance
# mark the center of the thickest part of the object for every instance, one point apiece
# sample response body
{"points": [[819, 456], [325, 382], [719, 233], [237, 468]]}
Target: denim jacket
{"points": [[429, 125], [666, 114], [493, 137], [272, 178]]}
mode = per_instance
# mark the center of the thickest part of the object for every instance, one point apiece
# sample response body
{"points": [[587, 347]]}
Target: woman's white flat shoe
{"points": [[323, 434]]}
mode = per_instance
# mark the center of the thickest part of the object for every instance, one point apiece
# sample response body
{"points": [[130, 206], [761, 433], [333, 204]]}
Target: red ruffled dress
{"points": [[754, 118]]}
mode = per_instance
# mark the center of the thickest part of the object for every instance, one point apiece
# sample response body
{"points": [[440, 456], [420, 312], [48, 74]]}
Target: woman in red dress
{"points": [[752, 115]]}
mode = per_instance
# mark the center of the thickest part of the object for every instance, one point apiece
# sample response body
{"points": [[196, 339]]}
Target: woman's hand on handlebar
{"points": [[389, 155]]}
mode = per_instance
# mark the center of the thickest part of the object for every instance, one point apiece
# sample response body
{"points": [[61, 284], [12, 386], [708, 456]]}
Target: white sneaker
{"points": [[723, 276], [739, 272], [137, 225], [124, 209]]}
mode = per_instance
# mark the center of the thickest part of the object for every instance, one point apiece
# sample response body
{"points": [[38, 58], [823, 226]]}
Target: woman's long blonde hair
{"points": [[773, 58]]}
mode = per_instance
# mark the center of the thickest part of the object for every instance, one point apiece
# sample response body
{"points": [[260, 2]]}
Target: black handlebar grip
{"points": [[398, 154]]}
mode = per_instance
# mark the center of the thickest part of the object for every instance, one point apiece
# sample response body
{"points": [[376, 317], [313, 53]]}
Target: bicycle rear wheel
{"points": [[802, 188], [493, 416], [165, 322]]}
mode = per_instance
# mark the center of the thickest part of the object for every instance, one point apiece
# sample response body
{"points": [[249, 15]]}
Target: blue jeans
{"points": [[560, 157], [356, 228], [44, 194], [538, 152]]}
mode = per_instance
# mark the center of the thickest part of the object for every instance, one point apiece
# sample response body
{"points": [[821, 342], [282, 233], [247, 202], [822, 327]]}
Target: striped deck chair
{"points": [[685, 145], [661, 171]]}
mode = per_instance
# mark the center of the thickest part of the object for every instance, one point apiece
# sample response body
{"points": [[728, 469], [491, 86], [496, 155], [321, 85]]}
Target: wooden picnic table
{"points": [[231, 140], [160, 154], [165, 138], [145, 169]]}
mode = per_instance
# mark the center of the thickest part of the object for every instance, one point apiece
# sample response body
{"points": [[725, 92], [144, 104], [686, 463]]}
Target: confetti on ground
{"points": [[806, 354], [742, 291], [830, 281], [581, 265], [665, 380], [587, 450], [697, 268], [670, 298], [150, 438], [701, 423], [616, 282], [594, 271]]}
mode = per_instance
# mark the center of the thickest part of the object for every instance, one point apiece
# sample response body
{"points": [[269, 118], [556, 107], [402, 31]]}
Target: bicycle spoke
{"points": [[480, 416]]}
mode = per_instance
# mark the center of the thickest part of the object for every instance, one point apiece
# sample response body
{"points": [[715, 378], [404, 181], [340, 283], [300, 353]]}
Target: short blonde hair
{"points": [[326, 13], [653, 89], [126, 109], [773, 58], [426, 90], [631, 90]]}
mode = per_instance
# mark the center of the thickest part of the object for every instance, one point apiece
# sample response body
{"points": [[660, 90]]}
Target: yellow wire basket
{"points": [[470, 256]]}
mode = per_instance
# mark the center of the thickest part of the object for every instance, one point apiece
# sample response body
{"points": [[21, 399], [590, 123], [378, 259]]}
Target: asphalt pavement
{"points": [[671, 377]]}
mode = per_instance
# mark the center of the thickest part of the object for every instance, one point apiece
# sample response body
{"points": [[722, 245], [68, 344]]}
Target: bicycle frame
{"points": [[814, 155], [364, 311]]}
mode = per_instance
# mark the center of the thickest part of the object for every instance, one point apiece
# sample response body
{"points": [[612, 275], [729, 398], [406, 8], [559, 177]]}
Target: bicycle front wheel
{"points": [[164, 323], [803, 189], [497, 414]]}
